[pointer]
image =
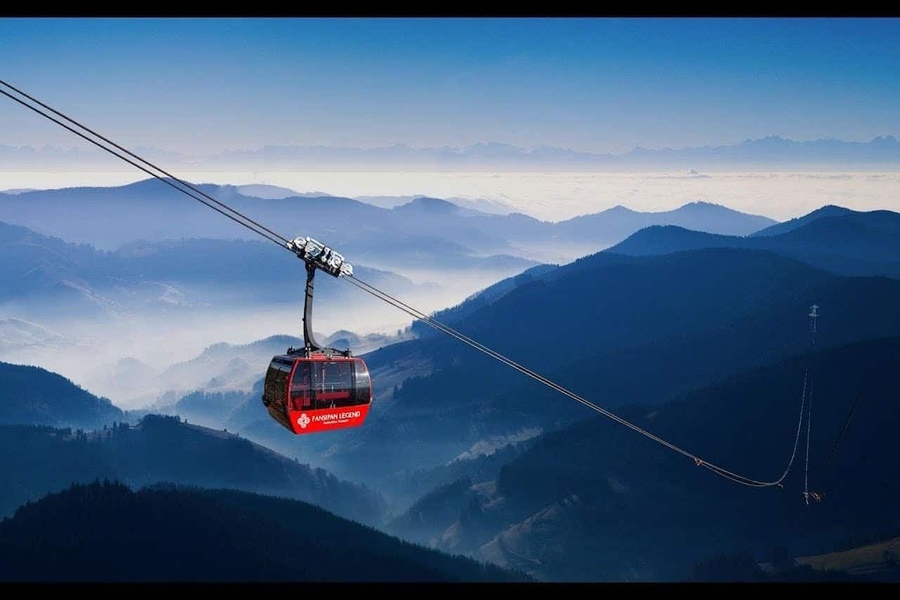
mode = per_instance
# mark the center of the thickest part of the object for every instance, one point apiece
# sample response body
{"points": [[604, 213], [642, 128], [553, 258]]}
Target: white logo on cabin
{"points": [[303, 421]]}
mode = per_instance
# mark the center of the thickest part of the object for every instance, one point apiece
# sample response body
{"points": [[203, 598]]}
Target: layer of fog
{"points": [[551, 196], [122, 352]]}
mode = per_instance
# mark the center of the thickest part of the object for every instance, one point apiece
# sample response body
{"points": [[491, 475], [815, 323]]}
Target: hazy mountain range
{"points": [[145, 256], [436, 231], [768, 152], [684, 354]]}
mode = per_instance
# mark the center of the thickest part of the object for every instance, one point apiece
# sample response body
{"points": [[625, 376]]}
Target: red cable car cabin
{"points": [[314, 389], [308, 393]]}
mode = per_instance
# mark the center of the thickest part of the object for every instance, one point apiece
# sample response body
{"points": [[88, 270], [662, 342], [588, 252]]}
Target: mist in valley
{"points": [[131, 355]]}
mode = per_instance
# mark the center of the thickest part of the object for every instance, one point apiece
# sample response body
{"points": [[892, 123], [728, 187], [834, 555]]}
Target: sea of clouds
{"points": [[549, 195]]}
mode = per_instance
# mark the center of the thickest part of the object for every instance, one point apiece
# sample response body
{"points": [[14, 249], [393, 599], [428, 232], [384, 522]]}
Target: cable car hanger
{"points": [[317, 255]]}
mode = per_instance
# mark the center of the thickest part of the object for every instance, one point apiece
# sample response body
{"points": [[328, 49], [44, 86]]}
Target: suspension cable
{"points": [[808, 432], [813, 315], [190, 190], [146, 166], [540, 378]]}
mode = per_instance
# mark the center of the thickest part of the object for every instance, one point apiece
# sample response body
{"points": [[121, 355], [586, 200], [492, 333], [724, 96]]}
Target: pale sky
{"points": [[602, 85]]}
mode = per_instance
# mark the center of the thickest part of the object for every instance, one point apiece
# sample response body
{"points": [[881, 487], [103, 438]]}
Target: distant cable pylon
{"points": [[813, 314]]}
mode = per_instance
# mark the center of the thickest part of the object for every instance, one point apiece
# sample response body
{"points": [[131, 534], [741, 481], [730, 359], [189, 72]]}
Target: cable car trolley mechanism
{"points": [[313, 389]]}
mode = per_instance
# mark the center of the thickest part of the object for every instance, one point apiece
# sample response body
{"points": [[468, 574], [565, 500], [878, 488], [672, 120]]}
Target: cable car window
{"points": [[276, 382], [339, 376], [332, 389], [301, 387], [363, 387]]}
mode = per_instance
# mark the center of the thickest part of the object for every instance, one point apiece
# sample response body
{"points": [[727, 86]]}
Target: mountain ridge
{"points": [[106, 532], [769, 151]]}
